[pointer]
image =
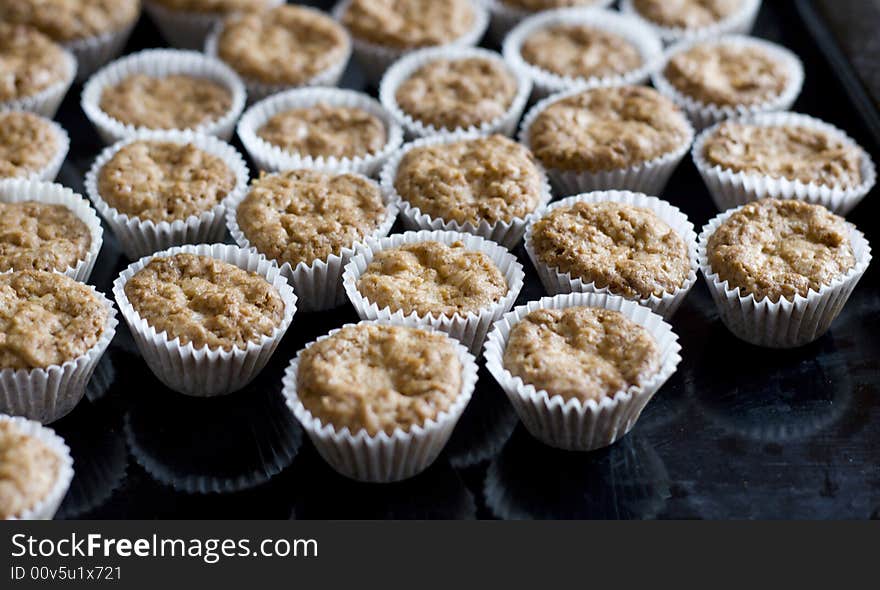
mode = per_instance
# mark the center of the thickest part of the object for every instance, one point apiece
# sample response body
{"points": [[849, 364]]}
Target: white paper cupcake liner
{"points": [[46, 101], [731, 189], [159, 63], [546, 82], [703, 114], [50, 393], [648, 177], [93, 53], [557, 282], [410, 63], [272, 158], [187, 30], [381, 458], [15, 190], [205, 372], [741, 21], [506, 233], [319, 284], [139, 237], [504, 17], [375, 59], [572, 424], [784, 323], [470, 328], [46, 507], [49, 172]]}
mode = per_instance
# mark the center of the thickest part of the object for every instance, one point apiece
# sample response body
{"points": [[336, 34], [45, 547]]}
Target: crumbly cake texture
{"points": [[406, 24], [537, 5], [305, 215], [205, 301], [580, 51], [46, 318], [40, 236], [432, 278], [794, 152], [27, 144], [213, 6], [488, 178], [627, 249], [29, 470], [30, 62], [686, 14], [164, 181], [727, 74], [379, 378], [780, 248], [607, 129], [457, 93], [327, 131], [70, 20], [177, 101], [582, 353], [284, 45]]}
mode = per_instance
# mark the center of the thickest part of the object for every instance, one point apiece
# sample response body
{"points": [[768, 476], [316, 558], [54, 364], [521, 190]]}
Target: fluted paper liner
{"points": [[556, 282], [187, 30], [546, 82], [470, 328], [139, 237], [46, 101], [381, 458], [731, 189], [159, 63], [572, 424], [740, 21], [506, 233], [17, 190], [784, 323], [272, 158], [504, 17], [206, 372], [47, 506]]}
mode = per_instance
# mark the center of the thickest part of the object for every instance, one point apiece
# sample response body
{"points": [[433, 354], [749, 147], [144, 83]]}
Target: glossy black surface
{"points": [[738, 432]]}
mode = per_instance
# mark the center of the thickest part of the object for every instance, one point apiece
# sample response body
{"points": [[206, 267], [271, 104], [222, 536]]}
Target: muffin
{"points": [[187, 23], [690, 19], [783, 155], [579, 368], [35, 72], [620, 137], [439, 91], [626, 244], [35, 470], [580, 51], [506, 14], [309, 222], [31, 146], [780, 271], [53, 331], [283, 47]]}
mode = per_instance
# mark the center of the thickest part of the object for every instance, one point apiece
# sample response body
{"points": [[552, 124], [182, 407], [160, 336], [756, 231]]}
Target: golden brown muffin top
{"points": [[30, 62], [213, 6], [28, 143], [686, 14], [580, 51], [407, 24], [40, 236], [29, 469], [70, 20]]}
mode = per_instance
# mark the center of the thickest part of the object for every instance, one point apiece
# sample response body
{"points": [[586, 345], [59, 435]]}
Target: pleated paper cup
{"points": [[319, 284], [49, 172], [786, 323], [471, 328], [272, 158], [139, 237], [375, 59], [730, 189], [46, 101], [92, 53], [504, 17], [205, 372], [506, 233], [555, 281], [47, 506], [48, 394], [160, 63], [647, 177], [404, 68], [187, 30], [17, 190], [381, 458], [641, 36], [703, 114], [572, 424], [741, 21]]}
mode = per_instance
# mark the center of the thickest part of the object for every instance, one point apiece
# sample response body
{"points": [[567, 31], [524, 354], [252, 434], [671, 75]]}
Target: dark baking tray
{"points": [[738, 432]]}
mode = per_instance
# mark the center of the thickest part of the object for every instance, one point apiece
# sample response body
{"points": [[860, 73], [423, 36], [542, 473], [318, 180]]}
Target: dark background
{"points": [[737, 432]]}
